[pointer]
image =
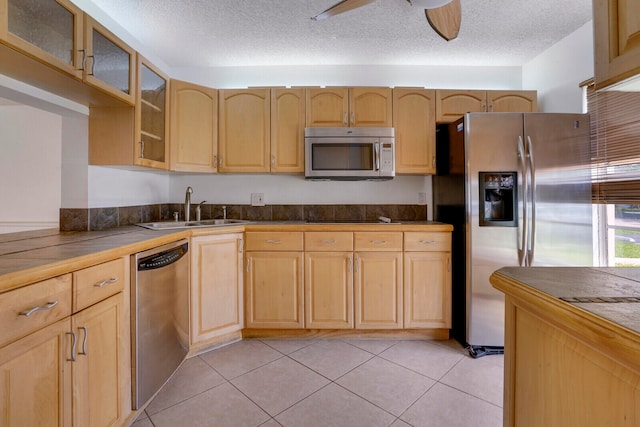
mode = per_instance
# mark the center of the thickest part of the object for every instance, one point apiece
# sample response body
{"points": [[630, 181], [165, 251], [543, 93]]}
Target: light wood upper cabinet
{"points": [[415, 129], [49, 30], [287, 130], [152, 123], [244, 130], [110, 64], [194, 128], [453, 104], [216, 286], [370, 107], [327, 107], [125, 136], [506, 101], [344, 107], [617, 40]]}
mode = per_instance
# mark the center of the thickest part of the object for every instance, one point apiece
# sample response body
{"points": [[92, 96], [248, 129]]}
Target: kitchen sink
{"points": [[175, 225]]}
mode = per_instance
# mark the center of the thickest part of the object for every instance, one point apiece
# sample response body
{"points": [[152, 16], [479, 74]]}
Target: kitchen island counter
{"points": [[572, 345]]}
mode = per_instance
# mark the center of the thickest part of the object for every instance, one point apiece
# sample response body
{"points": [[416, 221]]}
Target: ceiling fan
{"points": [[444, 16]]}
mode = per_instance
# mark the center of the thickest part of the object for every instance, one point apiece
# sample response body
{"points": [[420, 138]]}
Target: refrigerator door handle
{"points": [[522, 226], [531, 238]]}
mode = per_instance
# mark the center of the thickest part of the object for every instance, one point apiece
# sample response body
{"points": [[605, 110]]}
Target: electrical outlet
{"points": [[422, 198], [257, 199]]}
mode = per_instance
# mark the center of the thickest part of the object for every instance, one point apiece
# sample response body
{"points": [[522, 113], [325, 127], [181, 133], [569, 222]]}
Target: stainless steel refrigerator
{"points": [[517, 188]]}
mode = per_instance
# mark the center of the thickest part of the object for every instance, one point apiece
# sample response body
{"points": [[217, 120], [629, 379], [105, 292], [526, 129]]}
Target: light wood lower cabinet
{"points": [[274, 280], [35, 374], [378, 290], [427, 280], [328, 290], [216, 286], [64, 369]]}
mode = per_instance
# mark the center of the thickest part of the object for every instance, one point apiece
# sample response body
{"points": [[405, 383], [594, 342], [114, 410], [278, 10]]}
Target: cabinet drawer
{"points": [[93, 284], [377, 241], [30, 308], [328, 241], [427, 242], [274, 241]]}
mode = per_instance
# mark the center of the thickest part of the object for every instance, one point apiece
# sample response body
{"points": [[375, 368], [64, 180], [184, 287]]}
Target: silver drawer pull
{"points": [[106, 282], [275, 242], [428, 242], [84, 340], [379, 242], [329, 242], [73, 346], [49, 306]]}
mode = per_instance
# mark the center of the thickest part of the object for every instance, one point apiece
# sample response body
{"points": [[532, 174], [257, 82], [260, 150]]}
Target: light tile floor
{"points": [[334, 382]]}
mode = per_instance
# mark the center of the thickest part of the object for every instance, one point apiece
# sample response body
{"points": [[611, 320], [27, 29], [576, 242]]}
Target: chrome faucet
{"points": [[187, 203]]}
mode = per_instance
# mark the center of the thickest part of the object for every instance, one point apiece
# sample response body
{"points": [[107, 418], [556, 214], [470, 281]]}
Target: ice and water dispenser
{"points": [[498, 199]]}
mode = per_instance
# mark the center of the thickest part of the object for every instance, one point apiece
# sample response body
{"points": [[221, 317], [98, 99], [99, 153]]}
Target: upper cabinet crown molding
{"points": [[616, 26]]}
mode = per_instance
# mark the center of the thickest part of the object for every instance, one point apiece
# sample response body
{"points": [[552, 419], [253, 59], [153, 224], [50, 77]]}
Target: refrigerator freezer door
{"points": [[491, 144], [561, 230]]}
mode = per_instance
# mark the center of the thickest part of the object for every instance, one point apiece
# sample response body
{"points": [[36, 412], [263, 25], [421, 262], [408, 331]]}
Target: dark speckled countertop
{"points": [[610, 293]]}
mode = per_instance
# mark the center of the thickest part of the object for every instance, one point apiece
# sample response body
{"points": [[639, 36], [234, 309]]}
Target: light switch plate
{"points": [[257, 199]]}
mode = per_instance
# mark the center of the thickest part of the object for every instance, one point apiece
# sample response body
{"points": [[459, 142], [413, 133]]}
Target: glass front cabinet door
{"points": [[48, 30], [151, 116]]}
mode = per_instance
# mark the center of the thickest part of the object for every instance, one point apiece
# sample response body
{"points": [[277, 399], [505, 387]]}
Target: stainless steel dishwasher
{"points": [[159, 316]]}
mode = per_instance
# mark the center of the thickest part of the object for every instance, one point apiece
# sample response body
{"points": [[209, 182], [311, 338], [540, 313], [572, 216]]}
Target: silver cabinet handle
{"points": [[273, 160], [353, 117], [73, 346], [274, 242], [350, 264], [428, 242], [48, 306], [448, 265], [84, 340], [93, 64], [379, 242], [106, 282], [84, 59], [220, 160], [241, 245], [329, 242], [215, 161], [344, 118], [142, 149], [248, 264], [355, 264]]}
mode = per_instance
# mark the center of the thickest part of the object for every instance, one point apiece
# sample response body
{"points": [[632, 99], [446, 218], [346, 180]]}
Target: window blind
{"points": [[615, 145]]}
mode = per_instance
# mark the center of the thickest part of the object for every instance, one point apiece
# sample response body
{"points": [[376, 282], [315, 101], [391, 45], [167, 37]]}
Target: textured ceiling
{"points": [[210, 33]]}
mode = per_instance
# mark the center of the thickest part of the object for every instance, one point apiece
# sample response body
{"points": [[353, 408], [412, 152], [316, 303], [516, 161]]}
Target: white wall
{"points": [[109, 187], [30, 168], [558, 71]]}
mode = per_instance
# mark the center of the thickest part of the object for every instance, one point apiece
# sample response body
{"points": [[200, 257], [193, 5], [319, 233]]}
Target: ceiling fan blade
{"points": [[343, 6], [445, 20]]}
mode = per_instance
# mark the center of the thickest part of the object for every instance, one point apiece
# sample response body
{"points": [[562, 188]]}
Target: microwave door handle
{"points": [[376, 155]]}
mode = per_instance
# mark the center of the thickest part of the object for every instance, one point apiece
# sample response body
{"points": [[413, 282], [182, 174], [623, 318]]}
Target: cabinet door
{"points": [[378, 290], [216, 286], [453, 104], [616, 26], [328, 289], [101, 371], [35, 374], [414, 120], [194, 128], [49, 30], [505, 101], [287, 130], [244, 121], [370, 107], [274, 290], [152, 126], [327, 107], [110, 64], [427, 290]]}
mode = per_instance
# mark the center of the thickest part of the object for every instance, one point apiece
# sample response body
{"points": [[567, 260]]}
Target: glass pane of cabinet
{"points": [[153, 92], [111, 64], [44, 24]]}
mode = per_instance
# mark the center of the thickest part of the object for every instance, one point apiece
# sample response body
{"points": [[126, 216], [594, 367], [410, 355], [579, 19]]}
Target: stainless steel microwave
{"points": [[349, 153]]}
